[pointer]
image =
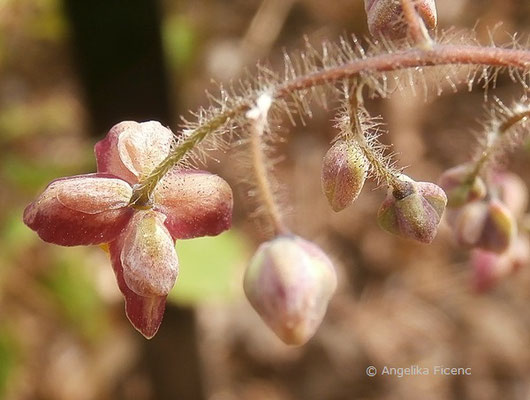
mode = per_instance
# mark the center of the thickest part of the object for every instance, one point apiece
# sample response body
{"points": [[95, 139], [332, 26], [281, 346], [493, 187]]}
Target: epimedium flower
{"points": [[96, 209]]}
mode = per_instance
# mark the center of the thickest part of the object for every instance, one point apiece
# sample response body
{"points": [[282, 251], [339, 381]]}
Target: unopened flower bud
{"points": [[343, 174], [289, 283], [489, 268], [486, 225], [384, 17], [413, 212], [512, 191], [462, 186]]}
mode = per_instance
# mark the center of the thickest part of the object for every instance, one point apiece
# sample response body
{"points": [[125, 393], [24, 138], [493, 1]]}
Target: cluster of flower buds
{"points": [[97, 209], [484, 219], [384, 17], [289, 282], [411, 209]]}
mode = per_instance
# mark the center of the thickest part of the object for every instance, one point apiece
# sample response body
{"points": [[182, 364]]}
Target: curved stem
{"points": [[261, 173], [495, 135], [355, 108], [410, 58]]}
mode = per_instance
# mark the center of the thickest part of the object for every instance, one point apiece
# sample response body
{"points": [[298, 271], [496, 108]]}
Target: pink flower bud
{"points": [[289, 282], [461, 186], [489, 268], [512, 191], [343, 174], [414, 213], [486, 225], [384, 17]]}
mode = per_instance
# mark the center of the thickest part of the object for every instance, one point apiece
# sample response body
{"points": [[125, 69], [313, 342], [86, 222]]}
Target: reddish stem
{"points": [[439, 55]]}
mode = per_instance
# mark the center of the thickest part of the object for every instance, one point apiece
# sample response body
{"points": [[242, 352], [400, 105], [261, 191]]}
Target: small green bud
{"points": [[414, 211], [289, 282], [343, 174], [461, 186], [488, 225]]}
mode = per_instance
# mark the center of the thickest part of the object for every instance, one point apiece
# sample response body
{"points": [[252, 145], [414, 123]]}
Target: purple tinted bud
{"points": [[486, 225], [462, 186], [512, 191], [489, 268], [343, 174], [289, 282], [414, 214], [384, 17]]}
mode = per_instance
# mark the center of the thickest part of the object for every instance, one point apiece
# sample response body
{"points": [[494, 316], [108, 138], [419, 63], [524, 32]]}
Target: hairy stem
{"points": [[261, 174], [355, 108], [142, 193], [495, 135], [410, 58]]}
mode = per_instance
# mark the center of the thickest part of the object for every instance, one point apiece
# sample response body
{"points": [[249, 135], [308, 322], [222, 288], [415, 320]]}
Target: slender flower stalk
{"points": [[416, 25], [258, 124]]}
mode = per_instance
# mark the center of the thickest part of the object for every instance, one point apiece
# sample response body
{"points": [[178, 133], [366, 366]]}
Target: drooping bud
{"points": [[488, 225], [289, 283], [462, 186], [344, 172], [148, 257], [489, 268], [384, 17], [413, 212], [512, 191]]}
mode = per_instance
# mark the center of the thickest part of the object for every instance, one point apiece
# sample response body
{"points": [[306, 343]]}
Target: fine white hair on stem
{"points": [[261, 167]]}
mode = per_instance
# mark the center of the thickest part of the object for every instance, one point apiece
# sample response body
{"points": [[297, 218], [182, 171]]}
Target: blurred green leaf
{"points": [[71, 285], [8, 359], [29, 175], [209, 267], [51, 116], [15, 236], [179, 42]]}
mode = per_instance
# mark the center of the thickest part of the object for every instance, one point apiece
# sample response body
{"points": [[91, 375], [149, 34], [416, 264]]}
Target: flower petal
{"points": [[148, 257], [131, 150], [144, 313], [196, 203], [81, 210]]}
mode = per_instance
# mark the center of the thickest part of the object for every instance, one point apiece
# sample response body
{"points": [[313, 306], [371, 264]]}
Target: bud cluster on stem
{"points": [[412, 209], [484, 212]]}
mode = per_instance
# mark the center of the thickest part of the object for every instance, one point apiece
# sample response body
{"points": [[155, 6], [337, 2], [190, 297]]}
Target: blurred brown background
{"points": [[70, 70]]}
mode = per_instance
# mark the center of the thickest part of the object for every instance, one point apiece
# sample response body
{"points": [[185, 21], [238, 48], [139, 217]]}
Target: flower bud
{"points": [[384, 17], [289, 283], [512, 191], [486, 225], [489, 268], [343, 174], [461, 186], [413, 213]]}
